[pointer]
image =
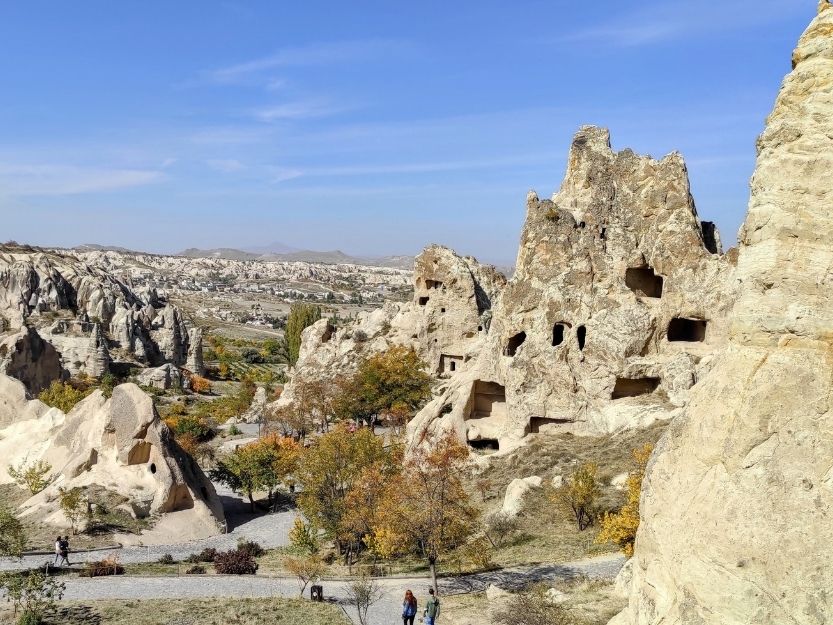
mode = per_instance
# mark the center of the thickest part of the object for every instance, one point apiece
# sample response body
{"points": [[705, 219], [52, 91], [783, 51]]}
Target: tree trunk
{"points": [[251, 501], [432, 564]]}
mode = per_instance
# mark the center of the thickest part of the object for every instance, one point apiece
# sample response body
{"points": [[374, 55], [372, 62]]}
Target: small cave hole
{"points": [[536, 423], [423, 300], [687, 330], [442, 310], [328, 333], [153, 467], [480, 328], [643, 281], [581, 336], [433, 284], [558, 331], [514, 343], [485, 444]]}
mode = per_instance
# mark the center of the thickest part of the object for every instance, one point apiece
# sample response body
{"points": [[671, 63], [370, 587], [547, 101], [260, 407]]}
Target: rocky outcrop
{"points": [[27, 357], [87, 314], [735, 510], [164, 377], [195, 363], [118, 444], [446, 321], [618, 303]]}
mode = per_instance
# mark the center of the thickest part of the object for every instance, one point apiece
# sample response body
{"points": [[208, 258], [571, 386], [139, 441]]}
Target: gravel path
{"points": [[384, 612], [269, 530]]}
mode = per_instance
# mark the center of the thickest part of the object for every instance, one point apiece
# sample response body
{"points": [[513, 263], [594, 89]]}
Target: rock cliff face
{"points": [[85, 313], [735, 509], [117, 444], [616, 307]]}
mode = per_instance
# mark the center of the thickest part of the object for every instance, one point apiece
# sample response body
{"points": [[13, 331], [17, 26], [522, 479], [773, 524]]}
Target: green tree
{"points": [[329, 469], [34, 592], [259, 466], [301, 316], [387, 383], [34, 477], [12, 536], [73, 505]]}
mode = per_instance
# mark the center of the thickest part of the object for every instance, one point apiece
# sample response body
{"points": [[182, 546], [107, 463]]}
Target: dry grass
{"points": [[547, 532], [194, 612], [589, 603], [41, 537]]}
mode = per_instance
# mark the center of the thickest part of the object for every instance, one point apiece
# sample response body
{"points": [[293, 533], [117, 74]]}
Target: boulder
{"points": [[515, 493], [164, 377], [735, 510]]}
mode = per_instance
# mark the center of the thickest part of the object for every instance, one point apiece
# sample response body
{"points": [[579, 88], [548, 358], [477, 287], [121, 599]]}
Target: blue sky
{"points": [[370, 127]]}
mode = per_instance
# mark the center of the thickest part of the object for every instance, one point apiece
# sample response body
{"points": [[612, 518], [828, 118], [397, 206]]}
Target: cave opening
{"points": [[634, 387], [644, 281], [687, 330], [514, 343], [581, 337]]}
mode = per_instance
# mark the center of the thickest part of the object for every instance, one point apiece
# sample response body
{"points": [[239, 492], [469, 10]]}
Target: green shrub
{"points": [[197, 569], [34, 477], [234, 430], [62, 395], [33, 592], [167, 559], [206, 555], [235, 562]]}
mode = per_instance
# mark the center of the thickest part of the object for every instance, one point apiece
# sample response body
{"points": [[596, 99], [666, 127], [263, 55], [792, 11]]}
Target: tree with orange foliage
{"points": [[620, 527], [427, 511], [200, 384]]}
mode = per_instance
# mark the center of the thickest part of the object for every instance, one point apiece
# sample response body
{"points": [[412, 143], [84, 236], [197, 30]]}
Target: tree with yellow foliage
{"points": [[579, 493], [427, 512], [620, 527]]}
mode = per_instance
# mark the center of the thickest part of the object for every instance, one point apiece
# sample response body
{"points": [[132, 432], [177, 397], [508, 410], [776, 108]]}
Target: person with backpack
{"points": [[432, 608], [409, 608]]}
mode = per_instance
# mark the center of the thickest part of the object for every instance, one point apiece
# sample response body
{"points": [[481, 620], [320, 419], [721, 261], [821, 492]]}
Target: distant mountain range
{"points": [[281, 252]]}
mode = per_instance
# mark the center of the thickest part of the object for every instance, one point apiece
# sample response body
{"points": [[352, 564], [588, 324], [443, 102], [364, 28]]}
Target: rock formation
{"points": [[118, 444], [27, 357], [86, 314], [735, 511], [445, 323], [617, 306]]}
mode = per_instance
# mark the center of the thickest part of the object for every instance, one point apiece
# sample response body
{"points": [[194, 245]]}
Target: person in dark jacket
{"points": [[409, 608]]}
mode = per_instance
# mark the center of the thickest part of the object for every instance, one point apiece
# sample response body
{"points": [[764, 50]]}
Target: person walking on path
{"points": [[59, 552], [432, 608], [409, 608], [65, 550]]}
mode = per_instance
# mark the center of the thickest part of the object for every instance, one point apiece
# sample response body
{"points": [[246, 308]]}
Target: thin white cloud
{"points": [[314, 54], [229, 135], [27, 180], [282, 174], [669, 21], [225, 165], [295, 110]]}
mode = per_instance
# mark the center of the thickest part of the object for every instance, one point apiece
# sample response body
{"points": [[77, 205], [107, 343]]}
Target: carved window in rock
{"points": [[514, 343], [644, 281], [581, 337], [423, 300], [687, 330], [558, 332], [634, 387]]}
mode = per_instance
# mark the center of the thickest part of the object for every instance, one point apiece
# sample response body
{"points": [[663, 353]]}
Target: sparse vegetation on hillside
{"points": [[33, 476], [63, 395], [12, 535], [579, 493], [620, 527]]}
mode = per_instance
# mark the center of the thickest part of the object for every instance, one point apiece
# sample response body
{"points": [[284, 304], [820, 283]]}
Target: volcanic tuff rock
{"points": [[617, 305], [84, 313], [445, 323], [736, 503], [117, 444]]}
